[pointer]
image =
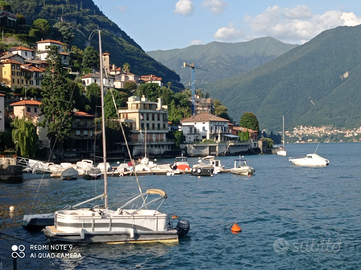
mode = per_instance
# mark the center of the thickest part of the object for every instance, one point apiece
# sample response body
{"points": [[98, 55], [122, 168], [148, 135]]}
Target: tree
{"points": [[249, 120], [109, 108], [57, 98], [90, 58], [5, 6], [93, 94], [130, 87], [150, 90], [126, 68], [24, 137], [63, 31], [43, 26], [21, 19]]}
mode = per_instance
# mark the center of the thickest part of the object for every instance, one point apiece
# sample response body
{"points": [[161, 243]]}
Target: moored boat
{"points": [[310, 160], [241, 167], [69, 174], [202, 169], [181, 163]]}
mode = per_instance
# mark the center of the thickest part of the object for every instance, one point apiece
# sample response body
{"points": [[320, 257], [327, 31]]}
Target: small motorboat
{"points": [[69, 174], [92, 174], [241, 168], [310, 160], [181, 163], [202, 169], [216, 163]]}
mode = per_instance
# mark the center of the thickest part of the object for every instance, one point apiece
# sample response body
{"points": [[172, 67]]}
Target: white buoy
{"points": [[12, 208]]}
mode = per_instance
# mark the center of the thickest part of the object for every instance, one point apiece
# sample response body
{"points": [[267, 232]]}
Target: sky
{"points": [[176, 24]]}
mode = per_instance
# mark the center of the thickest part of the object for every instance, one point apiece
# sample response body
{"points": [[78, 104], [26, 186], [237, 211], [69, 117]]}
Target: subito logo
{"points": [[281, 246], [18, 251]]}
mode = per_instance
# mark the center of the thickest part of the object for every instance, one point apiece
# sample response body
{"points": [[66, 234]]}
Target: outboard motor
{"points": [[183, 227]]}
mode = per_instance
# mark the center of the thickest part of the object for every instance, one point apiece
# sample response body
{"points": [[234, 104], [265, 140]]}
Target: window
{"points": [[85, 132], [28, 109], [77, 133], [35, 110]]}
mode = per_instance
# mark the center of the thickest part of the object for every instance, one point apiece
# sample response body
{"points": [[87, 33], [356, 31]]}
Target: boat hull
{"points": [[121, 236]]}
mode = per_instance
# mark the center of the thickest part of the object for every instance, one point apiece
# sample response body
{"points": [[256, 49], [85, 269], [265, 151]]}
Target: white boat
{"points": [[241, 167], [282, 151], [216, 163], [126, 223], [310, 160], [104, 168]]}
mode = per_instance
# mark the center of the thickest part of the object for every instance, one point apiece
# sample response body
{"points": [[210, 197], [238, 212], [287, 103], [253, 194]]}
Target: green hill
{"points": [[221, 60], [317, 84], [84, 16]]}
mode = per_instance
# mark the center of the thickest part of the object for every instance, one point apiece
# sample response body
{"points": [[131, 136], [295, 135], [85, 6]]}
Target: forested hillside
{"points": [[221, 60], [316, 84], [82, 17]]}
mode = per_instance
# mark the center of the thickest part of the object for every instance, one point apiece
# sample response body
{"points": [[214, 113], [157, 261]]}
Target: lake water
{"points": [[291, 217]]}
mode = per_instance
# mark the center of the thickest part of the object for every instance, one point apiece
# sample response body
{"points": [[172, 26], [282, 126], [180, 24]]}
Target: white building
{"points": [[43, 48], [204, 126], [26, 53], [108, 81]]}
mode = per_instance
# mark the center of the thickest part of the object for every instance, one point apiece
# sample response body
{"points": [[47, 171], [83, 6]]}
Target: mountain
{"points": [[221, 60], [317, 83], [84, 16]]}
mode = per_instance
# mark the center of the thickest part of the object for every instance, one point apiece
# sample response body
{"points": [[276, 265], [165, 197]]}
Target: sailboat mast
{"points": [[283, 133], [103, 125]]}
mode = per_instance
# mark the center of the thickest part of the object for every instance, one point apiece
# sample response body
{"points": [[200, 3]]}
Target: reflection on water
{"points": [[281, 201]]}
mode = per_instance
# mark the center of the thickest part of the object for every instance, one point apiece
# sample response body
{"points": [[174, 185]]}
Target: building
{"points": [[121, 78], [204, 126], [83, 133], [202, 105], [88, 79], [43, 48], [31, 108], [2, 112], [7, 19], [26, 53], [148, 122], [152, 79]]}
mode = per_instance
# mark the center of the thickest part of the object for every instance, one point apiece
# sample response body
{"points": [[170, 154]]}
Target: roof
{"points": [[204, 117], [25, 102], [50, 41], [20, 48], [83, 114], [10, 61]]}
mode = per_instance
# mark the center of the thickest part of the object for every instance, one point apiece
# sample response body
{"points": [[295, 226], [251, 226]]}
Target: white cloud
{"points": [[196, 42], [184, 7], [122, 9], [216, 6], [298, 24], [229, 33]]}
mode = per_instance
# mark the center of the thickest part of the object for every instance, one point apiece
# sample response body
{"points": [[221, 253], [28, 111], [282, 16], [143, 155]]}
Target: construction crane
{"points": [[193, 81]]}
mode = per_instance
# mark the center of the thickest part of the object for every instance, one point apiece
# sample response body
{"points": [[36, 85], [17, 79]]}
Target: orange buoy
{"points": [[236, 228], [174, 216]]}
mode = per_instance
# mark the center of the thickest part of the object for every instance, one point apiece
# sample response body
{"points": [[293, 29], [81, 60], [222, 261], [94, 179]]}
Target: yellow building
{"points": [[148, 122], [11, 74]]}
